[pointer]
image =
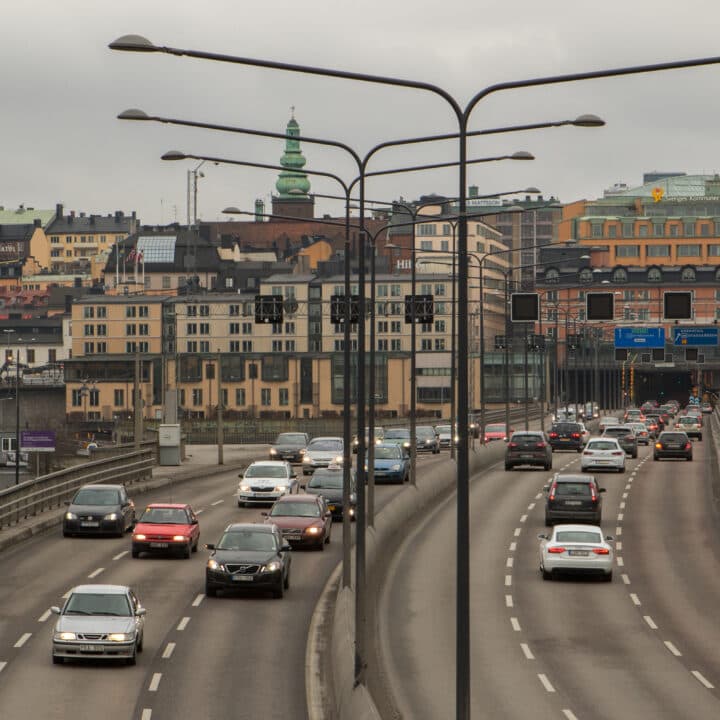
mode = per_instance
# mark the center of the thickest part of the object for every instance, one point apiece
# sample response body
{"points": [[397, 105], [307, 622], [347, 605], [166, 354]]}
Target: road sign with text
{"points": [[695, 335], [639, 337]]}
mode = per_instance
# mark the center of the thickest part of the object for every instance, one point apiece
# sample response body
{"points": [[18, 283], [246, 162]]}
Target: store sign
{"points": [[37, 441]]}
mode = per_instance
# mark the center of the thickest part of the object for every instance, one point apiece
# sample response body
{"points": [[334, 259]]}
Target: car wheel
{"points": [[57, 660], [545, 574], [67, 534], [135, 553], [241, 504], [286, 584], [279, 591], [634, 455], [210, 591], [598, 519], [548, 466], [607, 577], [321, 545], [187, 550], [141, 641], [508, 467], [621, 469], [327, 538], [132, 660]]}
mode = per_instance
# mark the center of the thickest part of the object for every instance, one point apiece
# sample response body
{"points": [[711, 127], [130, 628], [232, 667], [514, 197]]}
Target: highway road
{"points": [[225, 657], [644, 646]]}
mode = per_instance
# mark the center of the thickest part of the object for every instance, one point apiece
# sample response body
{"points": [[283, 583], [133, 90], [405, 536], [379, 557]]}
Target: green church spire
{"points": [[292, 179]]}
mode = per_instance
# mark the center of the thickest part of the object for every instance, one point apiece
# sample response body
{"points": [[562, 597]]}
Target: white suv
{"points": [[265, 481]]}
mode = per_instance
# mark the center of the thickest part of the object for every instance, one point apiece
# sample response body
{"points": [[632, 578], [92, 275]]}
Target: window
{"points": [[247, 328], [426, 245], [192, 346], [480, 247], [586, 275], [234, 346], [674, 230], [247, 346], [192, 311], [713, 250], [689, 229], [94, 398], [596, 230], [658, 229], [204, 346], [687, 274], [130, 311], [130, 330], [289, 346], [89, 330], [204, 328], [234, 310], [446, 229], [440, 326], [440, 289], [658, 251], [628, 230], [204, 310], [119, 398], [626, 251], [101, 347], [688, 251], [76, 398], [52, 356], [705, 229], [166, 282], [130, 347], [197, 396], [382, 345], [88, 312], [265, 397], [444, 245], [289, 328], [275, 368], [654, 274], [102, 330], [439, 343], [427, 229], [191, 329], [284, 396], [277, 345], [382, 326], [612, 231], [642, 231], [143, 329], [619, 275], [396, 344], [552, 276], [382, 291], [395, 327], [425, 344], [234, 328], [395, 290], [89, 348], [240, 396]]}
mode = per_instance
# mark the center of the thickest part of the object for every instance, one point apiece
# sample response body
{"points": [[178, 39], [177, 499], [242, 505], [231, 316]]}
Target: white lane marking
{"points": [[508, 601], [672, 648], [3, 664], [569, 714], [155, 682], [23, 639], [95, 573], [635, 599], [625, 578], [538, 496], [183, 623], [622, 505], [513, 547], [168, 651], [526, 651], [620, 561], [545, 682], [523, 518], [531, 506], [517, 532], [618, 530], [624, 495], [44, 616], [196, 602], [508, 580], [147, 712], [66, 595], [620, 517], [119, 555], [515, 624], [627, 487], [699, 676], [217, 502], [618, 545], [509, 562], [650, 622], [201, 510]]}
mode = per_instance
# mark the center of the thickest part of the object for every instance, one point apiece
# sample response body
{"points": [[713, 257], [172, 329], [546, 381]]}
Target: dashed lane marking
{"points": [[699, 676], [531, 506], [120, 555], [618, 530], [618, 545], [44, 616], [620, 561], [147, 712], [635, 599], [569, 714], [168, 651], [625, 579], [183, 624], [523, 518], [155, 682], [95, 573], [217, 502], [622, 505], [517, 532], [672, 648], [508, 580], [3, 665], [620, 517], [628, 486], [546, 683], [23, 639], [513, 547], [202, 510], [526, 651], [509, 562], [515, 624], [650, 622], [196, 602], [509, 601], [624, 495]]}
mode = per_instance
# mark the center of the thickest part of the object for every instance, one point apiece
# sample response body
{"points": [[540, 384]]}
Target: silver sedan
{"points": [[578, 549]]}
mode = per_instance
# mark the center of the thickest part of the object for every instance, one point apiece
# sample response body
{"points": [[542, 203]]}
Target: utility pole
{"points": [[137, 395], [220, 430]]}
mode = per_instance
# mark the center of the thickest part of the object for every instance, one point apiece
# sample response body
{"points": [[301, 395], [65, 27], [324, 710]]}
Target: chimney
{"points": [[92, 219], [473, 191], [118, 216], [259, 210], [36, 223], [82, 214], [59, 210]]}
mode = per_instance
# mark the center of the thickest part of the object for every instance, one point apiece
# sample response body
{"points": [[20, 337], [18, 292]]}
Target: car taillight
{"points": [[512, 444], [601, 551], [688, 446], [588, 452], [576, 435], [552, 492], [617, 453], [553, 434], [593, 495], [630, 437], [540, 445], [556, 550]]}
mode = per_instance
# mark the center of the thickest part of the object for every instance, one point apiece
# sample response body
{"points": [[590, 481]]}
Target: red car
{"points": [[496, 431], [166, 528], [302, 519]]}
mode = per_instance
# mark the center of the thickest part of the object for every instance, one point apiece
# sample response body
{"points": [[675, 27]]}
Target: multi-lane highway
{"points": [[222, 657], [646, 645]]}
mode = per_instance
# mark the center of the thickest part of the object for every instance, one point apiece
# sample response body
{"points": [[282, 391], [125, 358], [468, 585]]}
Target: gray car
{"points": [[626, 436], [528, 448], [426, 439], [99, 622], [289, 446], [99, 509]]}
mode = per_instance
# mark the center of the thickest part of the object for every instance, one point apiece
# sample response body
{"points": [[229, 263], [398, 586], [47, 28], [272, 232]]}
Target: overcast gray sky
{"points": [[62, 89]]}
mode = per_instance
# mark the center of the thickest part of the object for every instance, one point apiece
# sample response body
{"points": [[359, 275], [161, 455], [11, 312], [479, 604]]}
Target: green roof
{"points": [[25, 216]]}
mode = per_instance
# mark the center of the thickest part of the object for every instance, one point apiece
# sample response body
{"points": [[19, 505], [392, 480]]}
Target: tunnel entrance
{"points": [[663, 386]]}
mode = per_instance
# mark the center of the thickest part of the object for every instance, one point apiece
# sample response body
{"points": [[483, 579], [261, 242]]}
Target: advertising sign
{"points": [[37, 441]]}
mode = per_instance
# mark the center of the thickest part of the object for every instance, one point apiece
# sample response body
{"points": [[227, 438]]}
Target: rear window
{"points": [[673, 437], [601, 445], [618, 431], [571, 488], [527, 438], [566, 427], [578, 536]]}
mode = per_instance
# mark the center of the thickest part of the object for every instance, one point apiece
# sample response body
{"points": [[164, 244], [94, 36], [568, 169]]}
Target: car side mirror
{"points": [[194, 521], [602, 490], [609, 538], [264, 513], [140, 612], [55, 610], [546, 488], [210, 546], [542, 537], [286, 547]]}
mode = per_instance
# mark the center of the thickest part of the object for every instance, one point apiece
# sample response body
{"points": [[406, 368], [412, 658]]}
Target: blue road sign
{"points": [[694, 336], [639, 337]]}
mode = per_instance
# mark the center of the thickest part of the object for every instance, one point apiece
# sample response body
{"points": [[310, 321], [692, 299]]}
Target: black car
{"points": [[328, 482], [673, 444], [251, 557], [573, 498], [426, 439], [625, 436], [528, 448], [566, 436], [289, 446], [99, 509]]}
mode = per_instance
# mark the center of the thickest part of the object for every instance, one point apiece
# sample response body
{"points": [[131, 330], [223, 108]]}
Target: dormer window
{"points": [[586, 275], [654, 275], [552, 275], [687, 274], [620, 275]]}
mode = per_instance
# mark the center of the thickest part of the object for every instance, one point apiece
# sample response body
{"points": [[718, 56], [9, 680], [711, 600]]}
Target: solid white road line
{"points": [[546, 683], [508, 580], [672, 648], [217, 502], [196, 602], [3, 664], [508, 601], [183, 623], [119, 555], [515, 624], [650, 622], [23, 639], [526, 651], [635, 599], [155, 682], [625, 578], [168, 651], [699, 676], [147, 712], [44, 616], [95, 573], [569, 714], [509, 562]]}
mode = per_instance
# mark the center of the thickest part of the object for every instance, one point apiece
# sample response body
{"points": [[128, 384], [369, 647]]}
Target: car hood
{"points": [[323, 454], [384, 464], [265, 481], [288, 446], [94, 624], [294, 522], [98, 510], [255, 557], [332, 494], [161, 529]]}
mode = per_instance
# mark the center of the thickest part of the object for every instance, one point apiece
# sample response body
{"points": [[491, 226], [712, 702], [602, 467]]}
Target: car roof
{"points": [[573, 477], [578, 527], [270, 463], [386, 445], [327, 437], [255, 527], [107, 589], [604, 438], [528, 432], [105, 486], [176, 506], [298, 497], [624, 426]]}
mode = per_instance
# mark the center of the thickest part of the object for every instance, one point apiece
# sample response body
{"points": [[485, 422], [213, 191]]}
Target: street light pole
{"points": [[17, 416]]}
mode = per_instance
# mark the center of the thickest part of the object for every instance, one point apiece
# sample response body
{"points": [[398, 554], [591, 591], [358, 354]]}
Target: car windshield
{"points": [[165, 516], [442, 429], [97, 496], [334, 445], [601, 445], [609, 421], [424, 432], [639, 427], [97, 604], [494, 428], [291, 439], [387, 453], [579, 536], [266, 471], [572, 488], [247, 540], [295, 509], [320, 479], [397, 434]]}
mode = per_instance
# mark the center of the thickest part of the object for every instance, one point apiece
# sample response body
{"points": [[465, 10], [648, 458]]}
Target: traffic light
{"points": [[573, 342], [419, 308], [268, 309], [536, 343], [677, 305], [524, 307], [337, 308], [600, 306]]}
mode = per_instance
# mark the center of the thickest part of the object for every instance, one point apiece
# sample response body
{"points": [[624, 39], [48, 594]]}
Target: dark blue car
{"points": [[391, 464]]}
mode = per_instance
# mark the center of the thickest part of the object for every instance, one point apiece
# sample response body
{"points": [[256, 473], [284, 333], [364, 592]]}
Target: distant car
{"points": [[607, 421], [99, 622], [249, 557], [566, 436], [328, 482], [673, 444], [668, 409], [264, 481], [289, 446], [641, 433], [648, 406], [576, 549], [652, 426], [706, 408], [633, 415], [496, 431], [321, 452], [391, 464], [573, 497], [426, 440], [166, 528], [625, 435], [399, 436], [378, 433], [446, 436], [691, 426], [585, 433], [99, 509], [303, 520], [528, 448], [603, 453]]}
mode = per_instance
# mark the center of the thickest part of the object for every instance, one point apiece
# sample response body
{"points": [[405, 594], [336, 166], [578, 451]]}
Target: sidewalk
{"points": [[201, 462]]}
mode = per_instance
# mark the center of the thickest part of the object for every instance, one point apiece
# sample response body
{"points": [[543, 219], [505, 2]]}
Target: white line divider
{"points": [[120, 555], [650, 622], [508, 580], [201, 510], [526, 651], [625, 579], [618, 530], [523, 518], [672, 648], [513, 547], [620, 561], [509, 562], [517, 532], [3, 665], [618, 545], [196, 602], [95, 573], [23, 639], [635, 599], [509, 601], [702, 679], [217, 502], [546, 683], [146, 714], [168, 651], [155, 682], [515, 624], [569, 714], [183, 624], [44, 616]]}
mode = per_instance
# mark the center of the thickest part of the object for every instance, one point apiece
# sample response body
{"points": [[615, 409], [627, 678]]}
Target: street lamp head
{"points": [[532, 190], [584, 257], [174, 155], [232, 210], [522, 155], [513, 209], [133, 43], [588, 120], [133, 114]]}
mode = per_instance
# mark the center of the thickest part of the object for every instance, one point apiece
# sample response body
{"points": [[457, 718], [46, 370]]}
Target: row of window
{"points": [[653, 274], [69, 239], [692, 250], [690, 228]]}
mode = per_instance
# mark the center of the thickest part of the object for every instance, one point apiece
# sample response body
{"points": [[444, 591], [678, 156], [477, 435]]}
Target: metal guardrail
{"points": [[37, 495]]}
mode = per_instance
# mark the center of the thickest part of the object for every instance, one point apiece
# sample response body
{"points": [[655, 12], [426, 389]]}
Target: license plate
{"points": [[242, 578], [673, 447], [89, 524], [91, 648], [526, 457], [158, 545], [295, 536], [564, 439], [578, 553], [572, 502]]}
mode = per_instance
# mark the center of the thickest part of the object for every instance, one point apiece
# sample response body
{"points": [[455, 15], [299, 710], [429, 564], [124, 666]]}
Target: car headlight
{"points": [[120, 637], [338, 460], [353, 497], [273, 566], [395, 467], [139, 536], [352, 512], [111, 516], [70, 516], [179, 538], [307, 459], [282, 489], [213, 564], [65, 636], [313, 530], [273, 451], [428, 441], [244, 488]]}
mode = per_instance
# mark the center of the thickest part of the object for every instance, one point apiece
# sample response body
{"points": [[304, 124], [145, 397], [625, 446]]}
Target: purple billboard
{"points": [[37, 441]]}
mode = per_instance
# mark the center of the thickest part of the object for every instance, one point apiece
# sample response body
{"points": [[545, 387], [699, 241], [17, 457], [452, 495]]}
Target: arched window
{"points": [[586, 275], [620, 275], [654, 274], [687, 274], [552, 275], [717, 275]]}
